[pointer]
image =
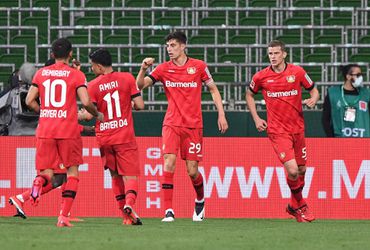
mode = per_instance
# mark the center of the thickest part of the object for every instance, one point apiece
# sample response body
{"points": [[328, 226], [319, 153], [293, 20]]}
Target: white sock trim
{"points": [[20, 197]]}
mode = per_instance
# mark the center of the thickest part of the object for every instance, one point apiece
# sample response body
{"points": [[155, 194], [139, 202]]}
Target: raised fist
{"points": [[147, 62]]}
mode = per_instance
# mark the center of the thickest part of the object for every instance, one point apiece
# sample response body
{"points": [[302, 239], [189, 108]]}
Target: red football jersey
{"points": [[112, 94], [57, 85], [183, 88], [283, 95]]}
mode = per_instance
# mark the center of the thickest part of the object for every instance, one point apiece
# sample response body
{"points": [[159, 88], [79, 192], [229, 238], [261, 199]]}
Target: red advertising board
{"points": [[243, 179]]}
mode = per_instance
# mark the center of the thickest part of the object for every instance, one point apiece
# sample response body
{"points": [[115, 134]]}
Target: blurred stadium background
{"points": [[230, 35]]}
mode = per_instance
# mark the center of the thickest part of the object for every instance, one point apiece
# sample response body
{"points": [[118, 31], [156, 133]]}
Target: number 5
{"points": [[304, 153]]}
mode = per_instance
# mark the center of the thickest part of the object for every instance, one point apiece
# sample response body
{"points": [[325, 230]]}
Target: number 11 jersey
{"points": [[112, 93]]}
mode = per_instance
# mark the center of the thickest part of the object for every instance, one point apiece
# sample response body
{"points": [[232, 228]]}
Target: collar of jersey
{"points": [[286, 66], [187, 59]]}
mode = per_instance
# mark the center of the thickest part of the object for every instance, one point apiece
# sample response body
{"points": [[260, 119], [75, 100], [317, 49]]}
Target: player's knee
{"points": [[192, 174], [169, 162], [293, 174], [192, 171], [72, 171], [302, 170], [169, 167]]}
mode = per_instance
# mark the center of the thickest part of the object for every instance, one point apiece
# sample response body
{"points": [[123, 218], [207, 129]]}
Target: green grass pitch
{"points": [[109, 234]]}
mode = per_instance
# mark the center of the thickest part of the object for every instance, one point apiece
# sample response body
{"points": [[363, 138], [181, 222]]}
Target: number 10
{"points": [[50, 93]]}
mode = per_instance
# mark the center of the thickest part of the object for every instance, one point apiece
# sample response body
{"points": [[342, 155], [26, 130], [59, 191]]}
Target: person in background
{"points": [[346, 106]]}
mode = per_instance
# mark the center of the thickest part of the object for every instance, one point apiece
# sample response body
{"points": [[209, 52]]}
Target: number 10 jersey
{"points": [[57, 85]]}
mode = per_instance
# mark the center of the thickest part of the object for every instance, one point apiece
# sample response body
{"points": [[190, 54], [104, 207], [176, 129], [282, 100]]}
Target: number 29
{"points": [[195, 148]]}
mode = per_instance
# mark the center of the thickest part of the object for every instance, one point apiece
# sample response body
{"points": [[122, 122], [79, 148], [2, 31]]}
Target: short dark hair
{"points": [[101, 56], [346, 69], [177, 35], [277, 43], [49, 62], [61, 48]]}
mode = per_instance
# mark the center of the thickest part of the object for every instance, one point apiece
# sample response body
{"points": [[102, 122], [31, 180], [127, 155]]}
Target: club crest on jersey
{"points": [[362, 105], [290, 78], [191, 70], [282, 155]]}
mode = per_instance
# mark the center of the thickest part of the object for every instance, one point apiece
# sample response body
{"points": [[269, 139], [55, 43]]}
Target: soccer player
{"points": [[113, 93], [60, 174], [345, 110], [59, 179], [182, 79], [281, 84], [58, 134]]}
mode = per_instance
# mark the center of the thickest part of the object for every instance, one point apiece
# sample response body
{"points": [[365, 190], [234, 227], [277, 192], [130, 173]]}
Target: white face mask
{"points": [[358, 82]]}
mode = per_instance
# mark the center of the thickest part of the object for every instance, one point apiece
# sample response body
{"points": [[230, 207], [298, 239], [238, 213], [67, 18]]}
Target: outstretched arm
{"points": [[221, 122]]}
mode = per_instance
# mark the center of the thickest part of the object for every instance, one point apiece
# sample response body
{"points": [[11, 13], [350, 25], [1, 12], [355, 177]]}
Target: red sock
{"points": [[302, 202], [43, 179], [167, 187], [118, 188], [26, 195], [301, 180], [47, 188], [131, 193], [39, 183], [296, 193], [63, 186], [69, 194], [198, 186]]}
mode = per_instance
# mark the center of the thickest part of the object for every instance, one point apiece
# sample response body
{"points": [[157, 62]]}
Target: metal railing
{"points": [[223, 43], [192, 3]]}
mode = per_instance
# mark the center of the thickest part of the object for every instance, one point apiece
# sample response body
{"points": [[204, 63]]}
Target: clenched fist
{"points": [[147, 62]]}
